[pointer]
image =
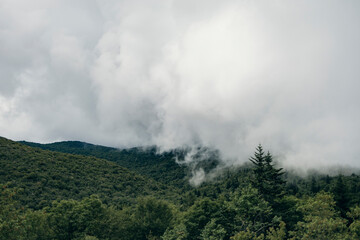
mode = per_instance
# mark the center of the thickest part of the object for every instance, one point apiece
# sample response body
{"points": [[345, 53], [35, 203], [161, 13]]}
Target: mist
{"points": [[224, 75]]}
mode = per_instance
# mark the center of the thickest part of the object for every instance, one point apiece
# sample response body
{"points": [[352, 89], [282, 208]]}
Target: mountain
{"points": [[144, 161], [226, 206], [42, 176]]}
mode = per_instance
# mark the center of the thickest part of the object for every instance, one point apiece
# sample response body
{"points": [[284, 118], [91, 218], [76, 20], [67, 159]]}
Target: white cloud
{"points": [[227, 75]]}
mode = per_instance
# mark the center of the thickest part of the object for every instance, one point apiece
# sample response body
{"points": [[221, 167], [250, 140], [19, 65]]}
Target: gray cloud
{"points": [[176, 73]]}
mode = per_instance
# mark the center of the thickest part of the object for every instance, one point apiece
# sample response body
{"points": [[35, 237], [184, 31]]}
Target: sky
{"points": [[227, 75]]}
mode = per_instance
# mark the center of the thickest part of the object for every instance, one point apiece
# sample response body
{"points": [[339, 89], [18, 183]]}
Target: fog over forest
{"points": [[222, 74]]}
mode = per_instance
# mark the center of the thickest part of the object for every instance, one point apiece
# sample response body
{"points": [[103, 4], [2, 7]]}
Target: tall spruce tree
{"points": [[341, 198], [267, 179]]}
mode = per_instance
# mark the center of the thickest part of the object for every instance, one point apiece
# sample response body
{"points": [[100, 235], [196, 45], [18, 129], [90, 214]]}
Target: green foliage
{"points": [[120, 224], [213, 231], [70, 219], [321, 221], [152, 217], [48, 196], [143, 161], [286, 209], [11, 219], [267, 179], [272, 234], [277, 233], [252, 211], [37, 226], [90, 238], [46, 176], [340, 196], [247, 235], [15, 223], [179, 232], [354, 227], [199, 215]]}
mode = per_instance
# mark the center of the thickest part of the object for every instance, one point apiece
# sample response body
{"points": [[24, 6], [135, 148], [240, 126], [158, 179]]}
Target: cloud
{"points": [[176, 73]]}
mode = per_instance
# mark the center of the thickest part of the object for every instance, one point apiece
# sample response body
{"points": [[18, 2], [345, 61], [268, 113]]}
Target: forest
{"points": [[80, 191]]}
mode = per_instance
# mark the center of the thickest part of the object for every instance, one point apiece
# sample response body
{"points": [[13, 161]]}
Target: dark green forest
{"points": [[76, 190]]}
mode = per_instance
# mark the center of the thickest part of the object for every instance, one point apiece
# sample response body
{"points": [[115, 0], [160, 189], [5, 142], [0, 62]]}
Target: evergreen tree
{"points": [[314, 188], [267, 179], [340, 196]]}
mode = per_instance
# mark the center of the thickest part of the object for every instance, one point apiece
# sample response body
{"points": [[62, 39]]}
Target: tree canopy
{"points": [[47, 195]]}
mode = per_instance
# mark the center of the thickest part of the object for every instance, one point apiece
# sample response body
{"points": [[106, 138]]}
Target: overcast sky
{"points": [[223, 74]]}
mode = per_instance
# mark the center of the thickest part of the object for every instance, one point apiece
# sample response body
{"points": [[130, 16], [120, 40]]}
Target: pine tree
{"points": [[258, 160], [340, 196], [267, 179], [314, 188]]}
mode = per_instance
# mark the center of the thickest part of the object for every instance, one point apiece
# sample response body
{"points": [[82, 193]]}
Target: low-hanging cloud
{"points": [[226, 75]]}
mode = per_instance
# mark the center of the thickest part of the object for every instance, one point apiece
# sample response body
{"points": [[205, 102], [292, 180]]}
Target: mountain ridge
{"points": [[144, 161], [43, 176]]}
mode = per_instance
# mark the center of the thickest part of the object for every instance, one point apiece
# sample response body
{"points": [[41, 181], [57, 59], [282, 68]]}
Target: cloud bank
{"points": [[227, 75]]}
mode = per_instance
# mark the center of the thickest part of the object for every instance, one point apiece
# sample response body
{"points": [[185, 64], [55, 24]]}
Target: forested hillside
{"points": [[49, 195], [43, 176], [145, 161]]}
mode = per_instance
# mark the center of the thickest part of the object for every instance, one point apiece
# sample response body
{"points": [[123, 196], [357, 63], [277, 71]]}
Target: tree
{"points": [[277, 233], [267, 179], [213, 231], [71, 219], [314, 188], [247, 235], [11, 217], [199, 215], [340, 196], [16, 223], [252, 211], [321, 221], [36, 226], [179, 232], [354, 227], [152, 217]]}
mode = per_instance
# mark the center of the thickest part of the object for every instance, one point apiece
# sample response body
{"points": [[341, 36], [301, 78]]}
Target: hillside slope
{"points": [[160, 167], [43, 176]]}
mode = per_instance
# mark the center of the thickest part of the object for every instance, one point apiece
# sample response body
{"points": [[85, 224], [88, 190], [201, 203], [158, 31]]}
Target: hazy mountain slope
{"points": [[161, 167], [43, 176]]}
